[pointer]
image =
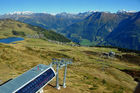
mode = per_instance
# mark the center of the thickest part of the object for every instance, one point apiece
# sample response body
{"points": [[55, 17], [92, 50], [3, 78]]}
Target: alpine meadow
{"points": [[71, 46]]}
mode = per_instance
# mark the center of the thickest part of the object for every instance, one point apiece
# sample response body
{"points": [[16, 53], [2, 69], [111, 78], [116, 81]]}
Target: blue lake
{"points": [[11, 39]]}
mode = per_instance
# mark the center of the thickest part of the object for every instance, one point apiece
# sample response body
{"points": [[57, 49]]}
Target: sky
{"points": [[70, 6]]}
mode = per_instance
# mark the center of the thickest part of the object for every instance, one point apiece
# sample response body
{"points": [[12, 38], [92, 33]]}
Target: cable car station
{"points": [[35, 79]]}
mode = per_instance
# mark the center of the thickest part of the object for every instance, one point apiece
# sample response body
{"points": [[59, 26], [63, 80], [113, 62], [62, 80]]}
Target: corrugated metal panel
{"points": [[23, 79]]}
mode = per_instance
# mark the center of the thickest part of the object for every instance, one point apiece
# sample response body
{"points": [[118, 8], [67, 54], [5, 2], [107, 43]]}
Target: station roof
{"points": [[21, 80]]}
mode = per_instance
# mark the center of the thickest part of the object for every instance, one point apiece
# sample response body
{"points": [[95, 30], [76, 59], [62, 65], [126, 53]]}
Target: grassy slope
{"points": [[7, 26], [85, 75]]}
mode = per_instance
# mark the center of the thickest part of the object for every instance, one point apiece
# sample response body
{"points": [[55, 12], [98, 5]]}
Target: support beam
{"points": [[65, 72], [57, 78]]}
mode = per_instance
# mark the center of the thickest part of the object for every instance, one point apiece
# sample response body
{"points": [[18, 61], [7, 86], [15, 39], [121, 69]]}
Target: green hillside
{"points": [[11, 28], [91, 71]]}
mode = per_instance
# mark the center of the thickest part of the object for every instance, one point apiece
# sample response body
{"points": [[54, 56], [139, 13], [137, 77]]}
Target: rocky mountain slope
{"points": [[126, 34], [100, 28]]}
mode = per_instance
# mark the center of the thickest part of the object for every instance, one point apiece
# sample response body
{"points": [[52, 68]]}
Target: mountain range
{"points": [[100, 28], [92, 28], [48, 21]]}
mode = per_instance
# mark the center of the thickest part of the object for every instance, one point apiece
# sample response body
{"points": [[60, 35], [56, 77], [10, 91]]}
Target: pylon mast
{"points": [[65, 72], [59, 64]]}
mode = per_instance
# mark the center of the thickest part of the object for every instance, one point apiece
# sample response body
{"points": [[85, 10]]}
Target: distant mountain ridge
{"points": [[127, 33], [90, 28], [111, 29], [48, 21], [97, 25], [20, 13]]}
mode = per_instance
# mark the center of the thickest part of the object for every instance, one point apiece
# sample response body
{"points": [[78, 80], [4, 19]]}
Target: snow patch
{"points": [[20, 13]]}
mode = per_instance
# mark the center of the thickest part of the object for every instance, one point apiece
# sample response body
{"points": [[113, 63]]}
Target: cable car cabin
{"points": [[31, 81]]}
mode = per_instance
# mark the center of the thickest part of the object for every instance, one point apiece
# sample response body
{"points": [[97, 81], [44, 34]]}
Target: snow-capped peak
{"points": [[131, 11], [20, 13], [93, 11], [124, 11]]}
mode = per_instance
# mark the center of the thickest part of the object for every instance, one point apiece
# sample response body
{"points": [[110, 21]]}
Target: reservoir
{"points": [[11, 39]]}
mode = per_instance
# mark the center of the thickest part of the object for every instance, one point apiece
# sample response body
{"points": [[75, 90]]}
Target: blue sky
{"points": [[71, 6]]}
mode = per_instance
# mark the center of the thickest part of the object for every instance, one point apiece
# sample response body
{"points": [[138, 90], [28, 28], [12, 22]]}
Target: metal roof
{"points": [[23, 79]]}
